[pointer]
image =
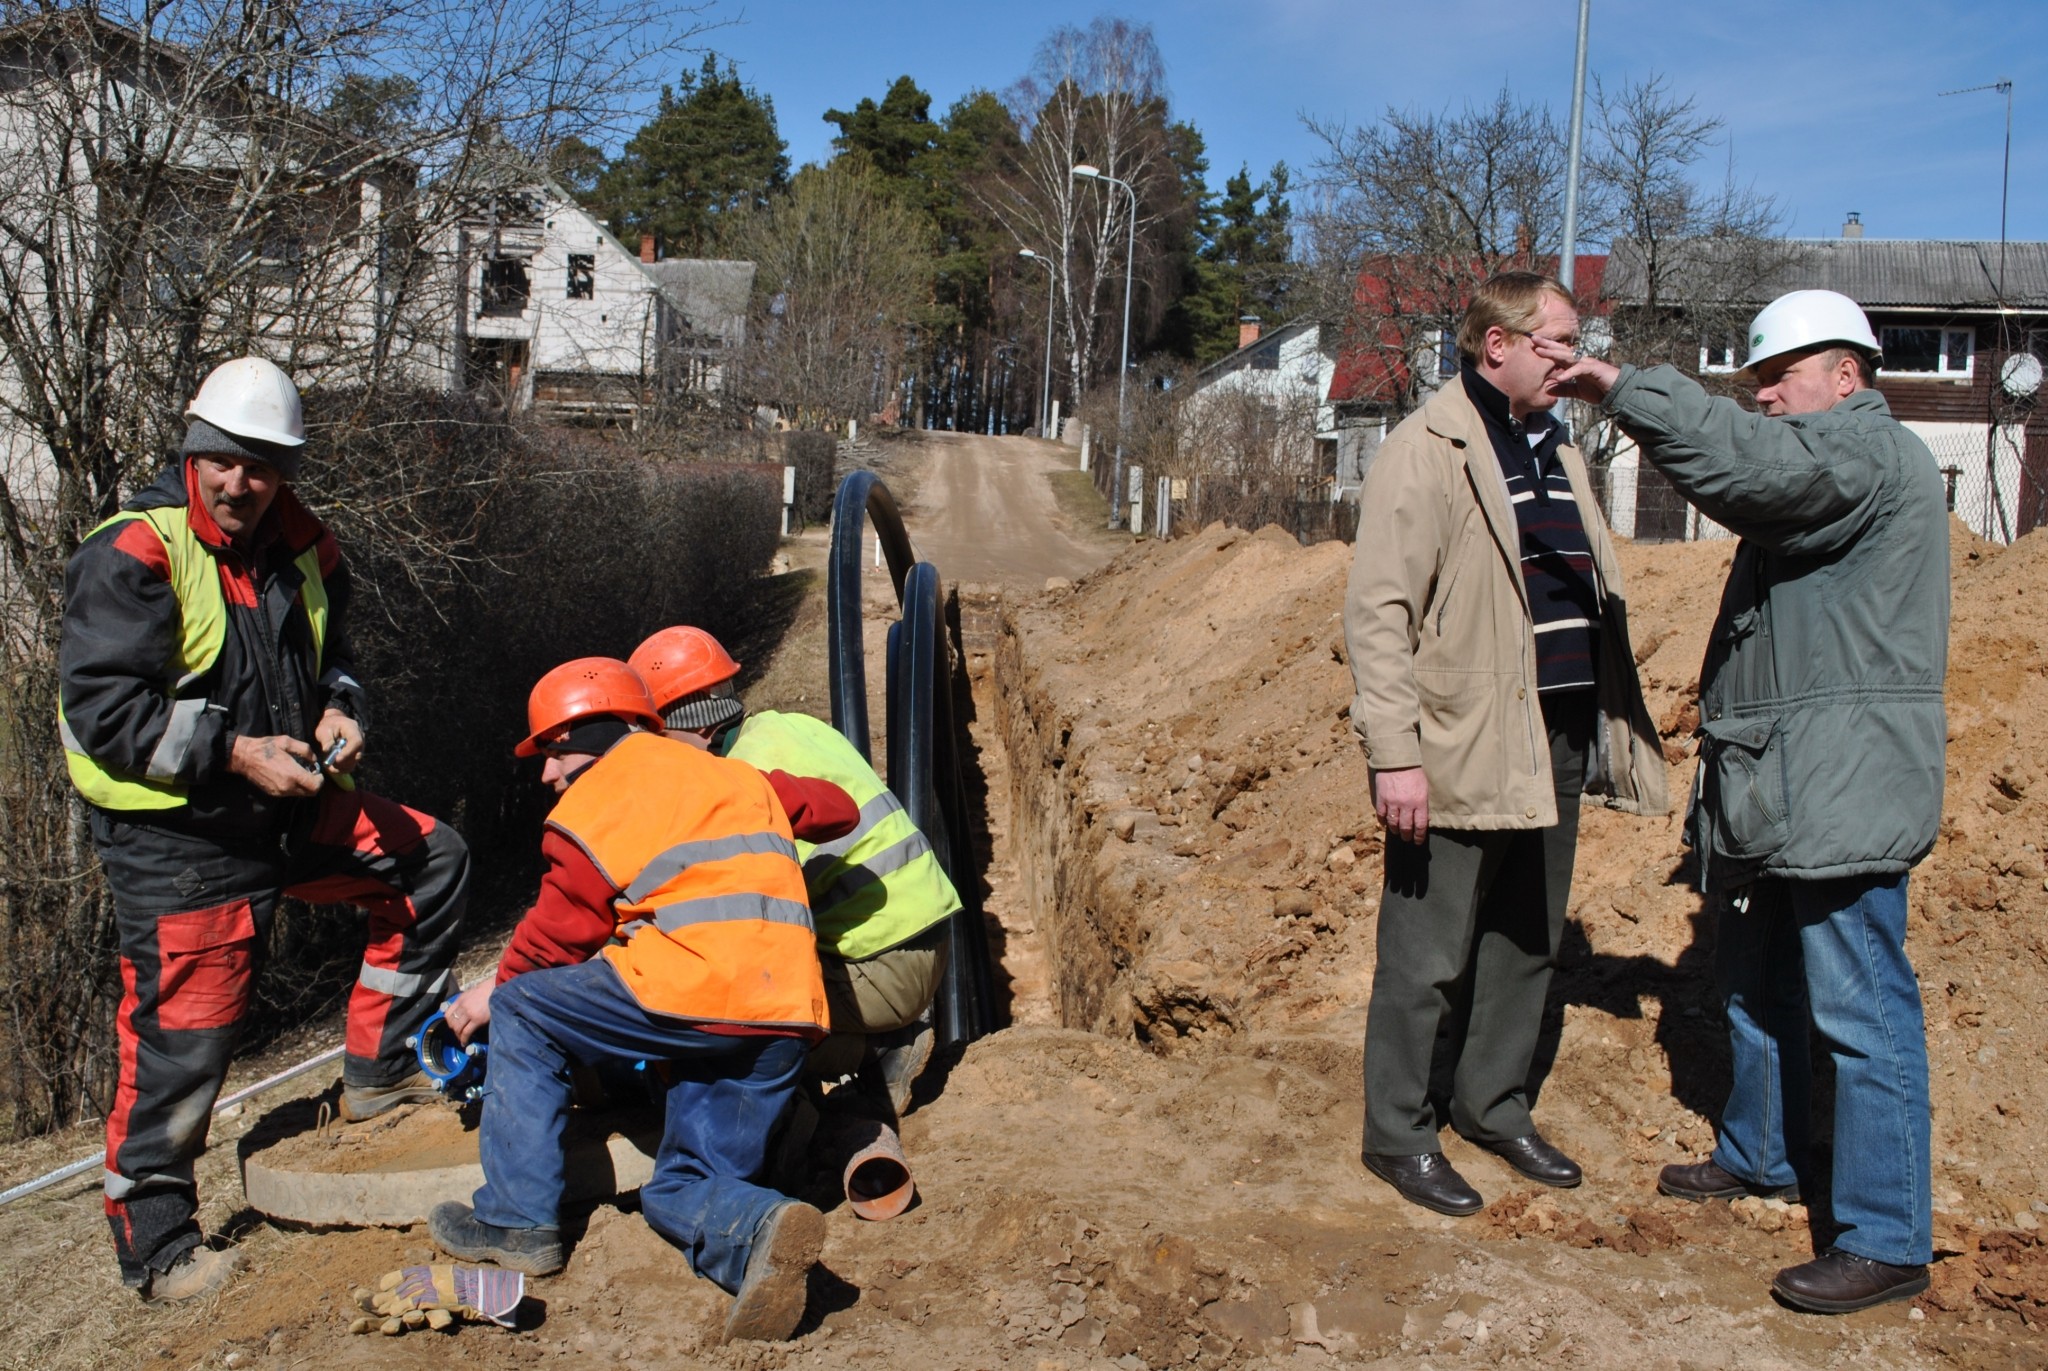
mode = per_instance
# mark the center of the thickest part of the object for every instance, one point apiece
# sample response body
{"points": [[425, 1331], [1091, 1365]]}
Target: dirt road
{"points": [[985, 514]]}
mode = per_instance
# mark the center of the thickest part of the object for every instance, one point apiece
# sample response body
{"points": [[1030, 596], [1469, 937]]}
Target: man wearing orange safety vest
{"points": [[671, 926], [881, 902]]}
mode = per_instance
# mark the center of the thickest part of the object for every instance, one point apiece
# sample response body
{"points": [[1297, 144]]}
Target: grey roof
{"points": [[1877, 273], [712, 295]]}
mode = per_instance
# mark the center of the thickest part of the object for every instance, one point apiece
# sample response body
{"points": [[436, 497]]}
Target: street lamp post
{"points": [[1116, 480], [1045, 390]]}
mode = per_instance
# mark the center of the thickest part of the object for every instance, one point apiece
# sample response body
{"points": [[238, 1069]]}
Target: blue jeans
{"points": [[1835, 951], [725, 1096]]}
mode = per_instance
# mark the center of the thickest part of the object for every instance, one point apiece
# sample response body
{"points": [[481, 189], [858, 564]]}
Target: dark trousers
{"points": [[1469, 925], [194, 915]]}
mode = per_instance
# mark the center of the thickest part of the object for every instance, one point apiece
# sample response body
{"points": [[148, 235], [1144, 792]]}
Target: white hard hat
{"points": [[251, 398], [1806, 319]]}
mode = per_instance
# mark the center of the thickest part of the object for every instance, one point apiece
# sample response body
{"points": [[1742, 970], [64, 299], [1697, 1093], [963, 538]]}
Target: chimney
{"points": [[647, 247], [1247, 330], [1852, 227], [1525, 244]]}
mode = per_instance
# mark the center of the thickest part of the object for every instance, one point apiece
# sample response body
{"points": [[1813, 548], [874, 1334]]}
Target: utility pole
{"points": [[1123, 371], [1045, 389], [2004, 87], [1567, 258]]}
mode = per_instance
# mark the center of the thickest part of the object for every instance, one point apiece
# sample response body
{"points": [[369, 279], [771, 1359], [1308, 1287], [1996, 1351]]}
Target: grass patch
{"points": [[1082, 508]]}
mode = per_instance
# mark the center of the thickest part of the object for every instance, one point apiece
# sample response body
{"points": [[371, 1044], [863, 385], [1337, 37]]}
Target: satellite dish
{"points": [[2020, 377]]}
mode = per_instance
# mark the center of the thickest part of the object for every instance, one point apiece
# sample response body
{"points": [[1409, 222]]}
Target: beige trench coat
{"points": [[1443, 647]]}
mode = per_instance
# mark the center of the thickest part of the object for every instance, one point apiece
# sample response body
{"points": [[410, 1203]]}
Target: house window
{"points": [[505, 287], [1717, 353], [1446, 353], [582, 276], [1928, 351]]}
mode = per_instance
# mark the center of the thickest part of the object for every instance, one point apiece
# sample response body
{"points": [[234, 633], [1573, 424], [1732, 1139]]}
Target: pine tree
{"points": [[711, 146]]}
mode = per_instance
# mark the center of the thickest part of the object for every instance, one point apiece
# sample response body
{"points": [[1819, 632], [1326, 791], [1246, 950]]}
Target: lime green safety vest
{"points": [[880, 885], [203, 627]]}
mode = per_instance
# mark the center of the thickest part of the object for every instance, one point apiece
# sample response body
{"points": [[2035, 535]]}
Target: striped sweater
{"points": [[1557, 557]]}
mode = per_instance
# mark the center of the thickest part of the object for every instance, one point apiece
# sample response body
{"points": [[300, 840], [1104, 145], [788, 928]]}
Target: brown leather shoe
{"points": [[1838, 1282], [1707, 1181]]}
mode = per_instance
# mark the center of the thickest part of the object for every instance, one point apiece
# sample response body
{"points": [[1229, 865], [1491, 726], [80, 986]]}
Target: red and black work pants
{"points": [[194, 915]]}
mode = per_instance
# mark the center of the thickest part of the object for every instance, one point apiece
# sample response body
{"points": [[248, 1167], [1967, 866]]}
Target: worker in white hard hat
{"points": [[1821, 768], [211, 719]]}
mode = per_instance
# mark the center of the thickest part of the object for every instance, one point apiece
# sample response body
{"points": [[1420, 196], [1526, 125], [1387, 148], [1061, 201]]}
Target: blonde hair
{"points": [[1512, 300]]}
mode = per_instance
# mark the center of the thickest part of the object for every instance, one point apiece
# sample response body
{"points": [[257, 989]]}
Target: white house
{"points": [[561, 317]]}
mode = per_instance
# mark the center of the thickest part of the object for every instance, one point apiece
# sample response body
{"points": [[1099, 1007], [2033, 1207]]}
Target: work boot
{"points": [[900, 1058], [1838, 1282], [1707, 1181], [198, 1273], [361, 1103], [770, 1302], [457, 1230]]}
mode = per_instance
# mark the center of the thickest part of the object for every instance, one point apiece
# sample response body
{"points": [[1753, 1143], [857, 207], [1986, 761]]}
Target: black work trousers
{"points": [[194, 914], [1469, 925]]}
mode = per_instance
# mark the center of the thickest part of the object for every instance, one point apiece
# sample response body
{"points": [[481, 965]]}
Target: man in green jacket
{"points": [[1821, 767], [879, 898]]}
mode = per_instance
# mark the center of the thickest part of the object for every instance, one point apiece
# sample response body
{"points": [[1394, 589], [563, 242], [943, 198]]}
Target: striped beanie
{"points": [[710, 708]]}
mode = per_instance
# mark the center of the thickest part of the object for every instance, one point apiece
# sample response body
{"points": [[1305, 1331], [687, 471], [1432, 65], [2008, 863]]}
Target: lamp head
{"points": [[1087, 172]]}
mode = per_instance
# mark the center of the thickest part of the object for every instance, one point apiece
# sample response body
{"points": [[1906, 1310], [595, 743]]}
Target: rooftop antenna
{"points": [[2004, 87]]}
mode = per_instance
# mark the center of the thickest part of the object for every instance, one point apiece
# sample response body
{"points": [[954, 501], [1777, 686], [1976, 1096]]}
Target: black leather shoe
{"points": [[1838, 1282], [1707, 1181], [1427, 1180], [1536, 1159]]}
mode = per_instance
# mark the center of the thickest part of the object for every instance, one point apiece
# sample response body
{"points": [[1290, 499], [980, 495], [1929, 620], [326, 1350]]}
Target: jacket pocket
{"points": [[1744, 794]]}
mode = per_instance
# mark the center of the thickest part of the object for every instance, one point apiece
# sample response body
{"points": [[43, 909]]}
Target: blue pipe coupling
{"points": [[456, 1068]]}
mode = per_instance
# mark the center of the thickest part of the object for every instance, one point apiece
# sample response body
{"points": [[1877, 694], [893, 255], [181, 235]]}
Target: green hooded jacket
{"points": [[1821, 718]]}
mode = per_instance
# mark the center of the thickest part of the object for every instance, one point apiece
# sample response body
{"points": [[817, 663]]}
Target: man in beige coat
{"points": [[1496, 686]]}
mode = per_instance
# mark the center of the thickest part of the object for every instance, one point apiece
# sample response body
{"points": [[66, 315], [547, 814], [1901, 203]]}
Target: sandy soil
{"points": [[1157, 1165]]}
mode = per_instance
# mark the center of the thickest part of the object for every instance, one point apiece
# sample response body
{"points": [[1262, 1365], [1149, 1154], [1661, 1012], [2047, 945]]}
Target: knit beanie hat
{"points": [[201, 436], [710, 708]]}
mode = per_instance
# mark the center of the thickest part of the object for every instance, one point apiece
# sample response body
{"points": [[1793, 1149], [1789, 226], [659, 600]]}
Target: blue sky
{"points": [[1830, 107]]}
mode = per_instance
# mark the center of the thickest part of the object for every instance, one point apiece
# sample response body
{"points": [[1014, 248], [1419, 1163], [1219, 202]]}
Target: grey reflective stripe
{"points": [[337, 677], [626, 931], [395, 983], [664, 866], [730, 909], [171, 749], [69, 739], [120, 1187], [871, 814], [882, 865]]}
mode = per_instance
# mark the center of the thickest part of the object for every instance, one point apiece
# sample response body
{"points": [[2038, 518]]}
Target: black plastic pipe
{"points": [[923, 762]]}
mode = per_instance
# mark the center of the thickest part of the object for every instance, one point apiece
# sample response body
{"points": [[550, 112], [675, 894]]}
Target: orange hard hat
{"points": [[583, 689], [681, 661]]}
